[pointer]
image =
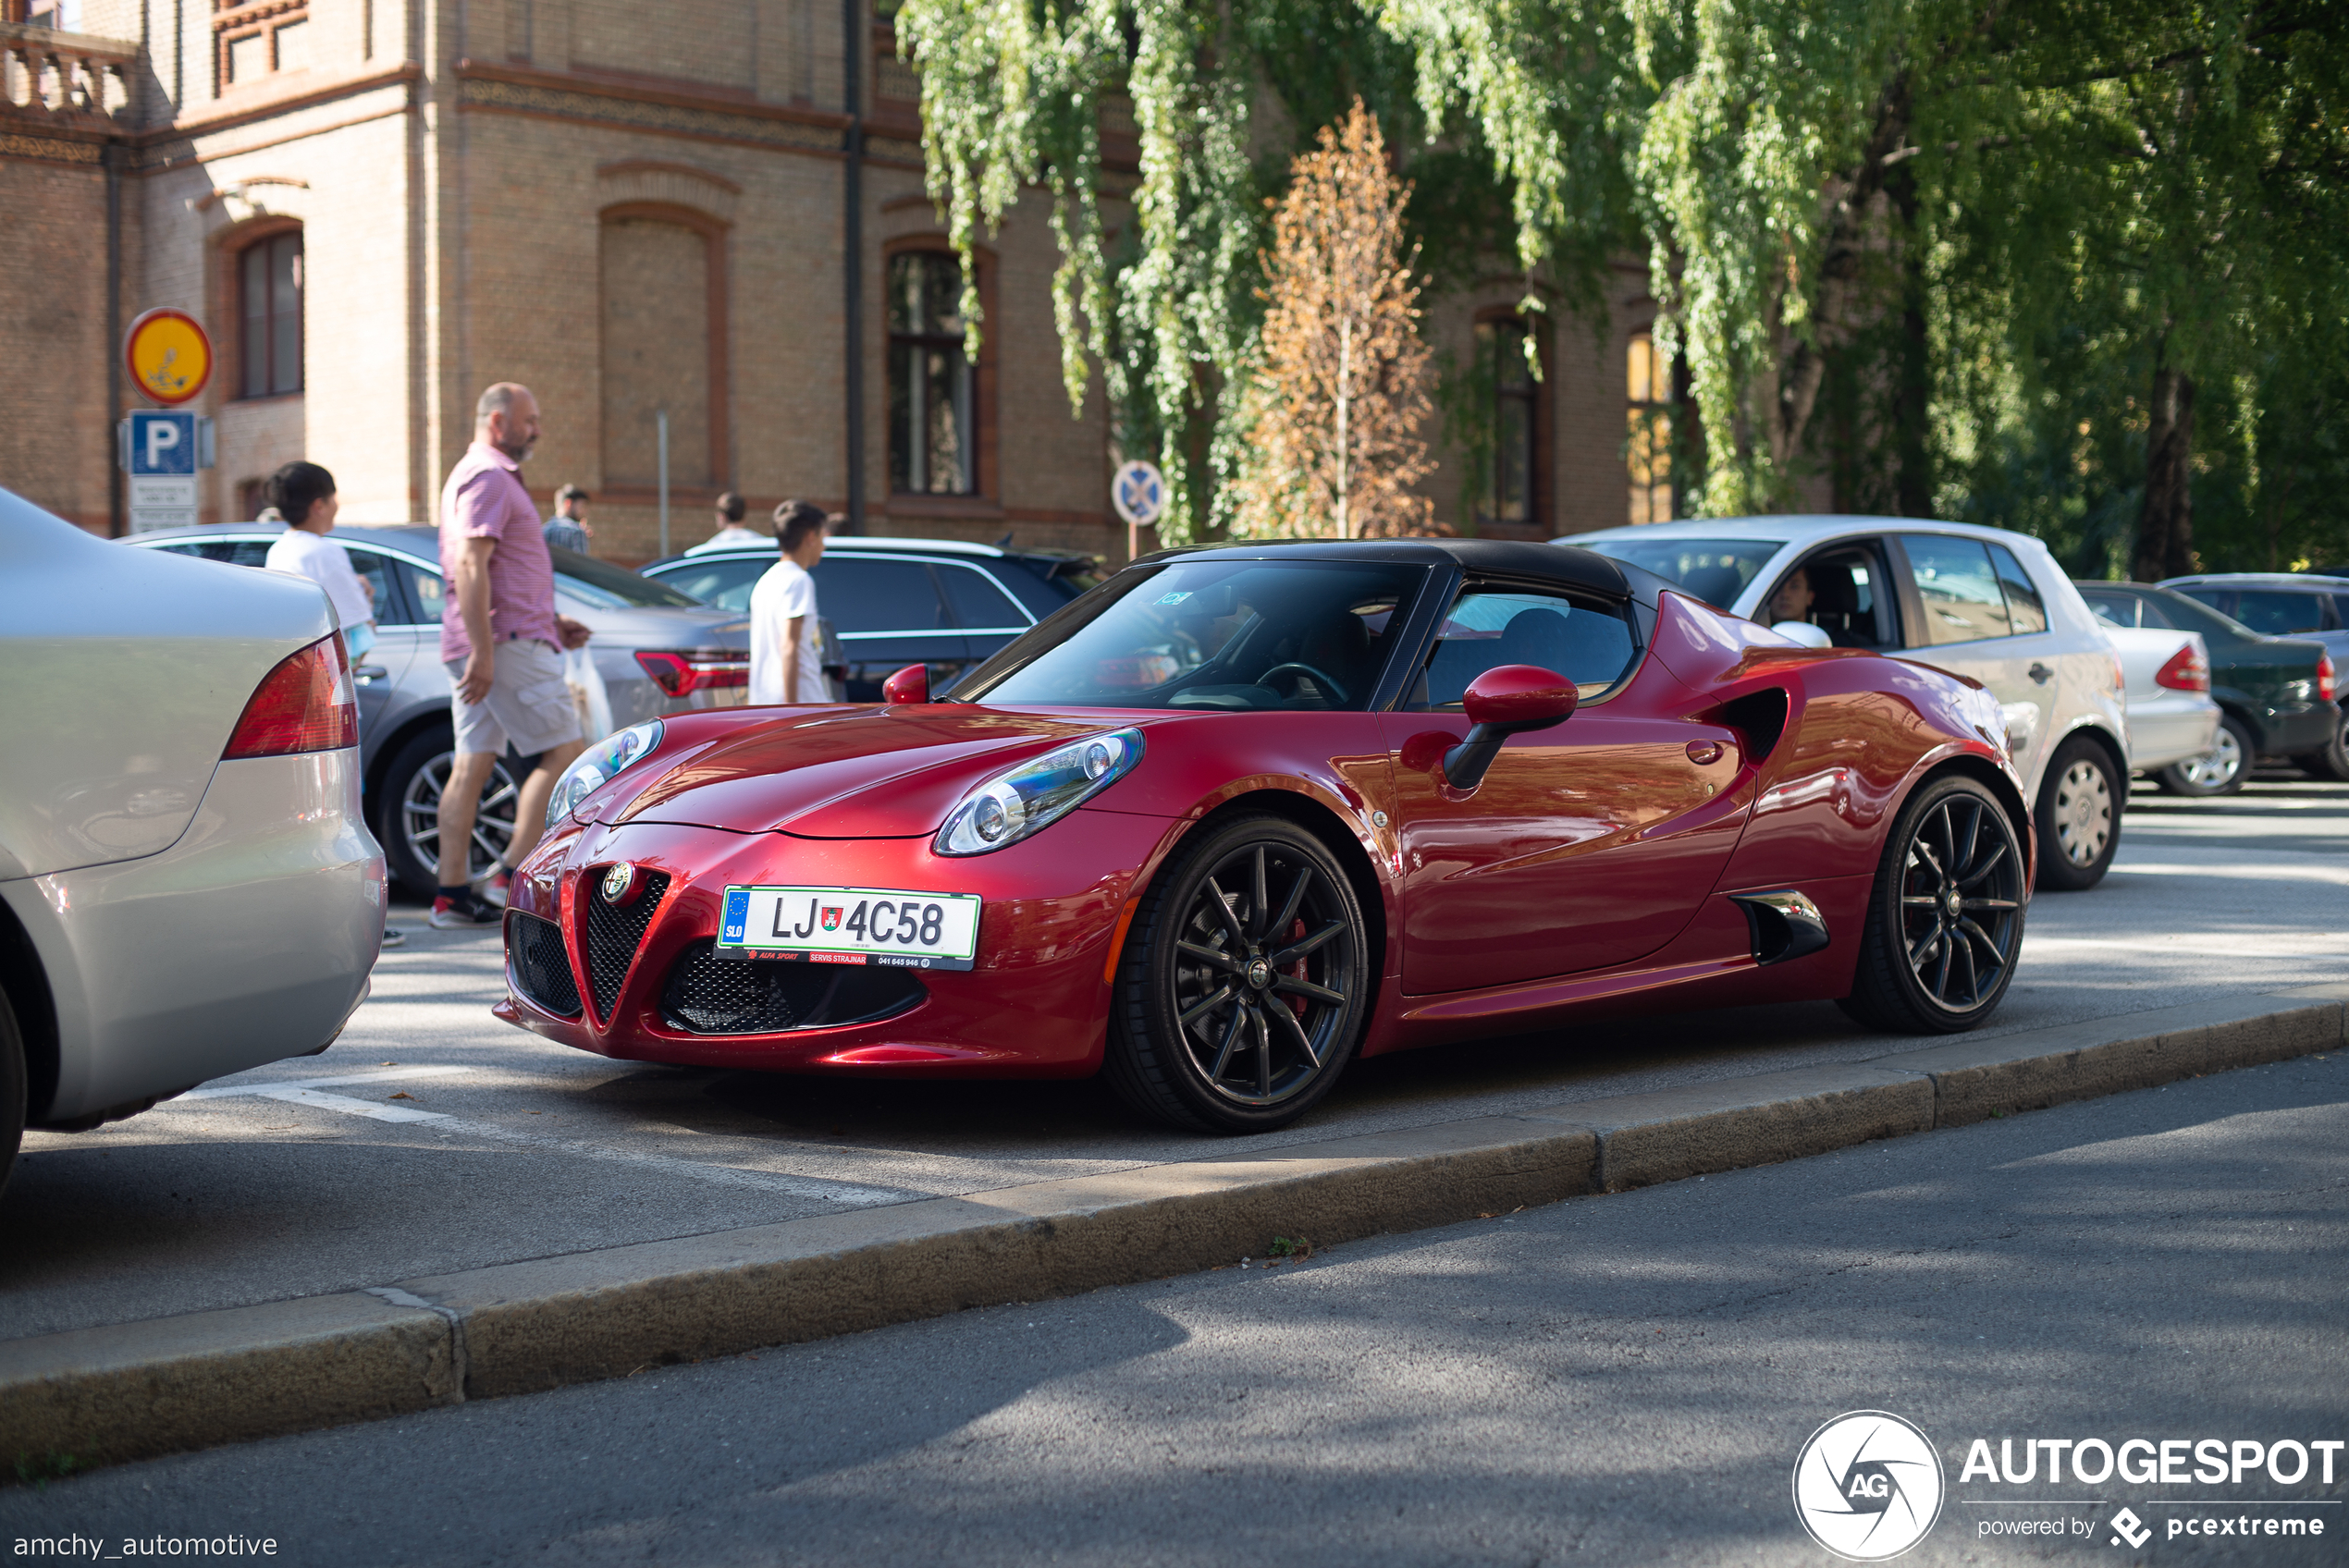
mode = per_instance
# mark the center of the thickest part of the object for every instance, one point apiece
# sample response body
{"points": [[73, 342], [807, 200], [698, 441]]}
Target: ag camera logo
{"points": [[1868, 1485]]}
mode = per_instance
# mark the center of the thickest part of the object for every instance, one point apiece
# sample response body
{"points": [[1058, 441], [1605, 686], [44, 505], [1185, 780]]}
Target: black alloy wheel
{"points": [[1945, 922], [1245, 982], [2081, 800], [410, 813]]}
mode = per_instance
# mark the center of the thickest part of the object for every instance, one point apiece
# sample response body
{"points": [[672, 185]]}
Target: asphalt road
{"points": [[513, 1148], [1623, 1380]]}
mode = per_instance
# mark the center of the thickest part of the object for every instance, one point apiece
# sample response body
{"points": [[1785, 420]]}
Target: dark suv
{"points": [[897, 602], [2276, 695]]}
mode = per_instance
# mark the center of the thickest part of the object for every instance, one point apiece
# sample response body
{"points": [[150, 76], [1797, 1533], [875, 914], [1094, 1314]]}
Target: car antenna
{"points": [[1005, 542]]}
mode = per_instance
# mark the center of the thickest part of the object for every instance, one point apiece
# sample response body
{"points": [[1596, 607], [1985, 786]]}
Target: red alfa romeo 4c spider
{"points": [[1240, 814]]}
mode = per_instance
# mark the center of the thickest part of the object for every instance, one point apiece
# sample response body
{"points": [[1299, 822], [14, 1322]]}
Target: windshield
{"points": [[1244, 636], [2189, 614], [600, 586], [1716, 570]]}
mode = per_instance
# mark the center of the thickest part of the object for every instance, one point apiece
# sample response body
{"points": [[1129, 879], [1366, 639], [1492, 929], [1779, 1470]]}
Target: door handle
{"points": [[2041, 673], [367, 674]]}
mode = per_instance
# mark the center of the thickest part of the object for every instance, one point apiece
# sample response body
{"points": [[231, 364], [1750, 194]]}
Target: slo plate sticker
{"points": [[885, 926]]}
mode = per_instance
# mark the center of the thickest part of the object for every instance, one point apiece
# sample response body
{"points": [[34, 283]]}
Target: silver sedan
{"points": [[187, 887]]}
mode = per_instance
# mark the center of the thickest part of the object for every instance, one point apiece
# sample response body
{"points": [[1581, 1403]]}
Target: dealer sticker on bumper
{"points": [[850, 925]]}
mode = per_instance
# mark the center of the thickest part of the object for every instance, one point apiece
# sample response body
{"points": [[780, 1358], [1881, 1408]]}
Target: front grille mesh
{"points": [[614, 935], [708, 995], [542, 970]]}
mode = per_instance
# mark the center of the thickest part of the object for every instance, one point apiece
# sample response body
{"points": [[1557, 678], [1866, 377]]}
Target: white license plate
{"points": [[850, 925]]}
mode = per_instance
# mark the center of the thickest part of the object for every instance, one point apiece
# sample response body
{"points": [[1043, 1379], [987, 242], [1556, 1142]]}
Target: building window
{"points": [[253, 37], [1648, 452], [63, 15], [269, 309], [1511, 482], [932, 412]]}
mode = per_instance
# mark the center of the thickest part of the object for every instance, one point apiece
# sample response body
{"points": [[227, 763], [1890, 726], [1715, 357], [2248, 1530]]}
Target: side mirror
{"points": [[910, 684], [1803, 632], [1512, 700]]}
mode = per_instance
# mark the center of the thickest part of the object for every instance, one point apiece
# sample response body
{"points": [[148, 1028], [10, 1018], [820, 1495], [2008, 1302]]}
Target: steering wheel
{"points": [[1323, 681]]}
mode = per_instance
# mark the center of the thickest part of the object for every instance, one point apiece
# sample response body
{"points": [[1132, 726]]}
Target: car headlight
{"points": [[599, 766], [1038, 794]]}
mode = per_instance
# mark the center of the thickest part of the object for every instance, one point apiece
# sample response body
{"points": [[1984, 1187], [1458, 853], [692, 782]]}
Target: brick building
{"points": [[380, 206]]}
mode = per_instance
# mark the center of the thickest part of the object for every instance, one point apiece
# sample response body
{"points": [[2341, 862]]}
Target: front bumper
{"points": [[1036, 1003], [247, 941]]}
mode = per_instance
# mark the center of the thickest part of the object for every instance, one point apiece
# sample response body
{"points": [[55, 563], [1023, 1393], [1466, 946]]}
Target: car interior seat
{"points": [[1717, 585], [1340, 648]]}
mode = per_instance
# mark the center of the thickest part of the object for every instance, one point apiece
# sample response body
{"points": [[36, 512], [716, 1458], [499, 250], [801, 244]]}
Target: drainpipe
{"points": [[111, 156], [852, 254]]}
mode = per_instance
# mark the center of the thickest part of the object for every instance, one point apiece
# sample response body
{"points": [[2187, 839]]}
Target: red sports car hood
{"points": [[857, 773]]}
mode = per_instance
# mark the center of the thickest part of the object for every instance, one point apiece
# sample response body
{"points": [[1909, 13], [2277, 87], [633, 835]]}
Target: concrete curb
{"points": [[138, 1390]]}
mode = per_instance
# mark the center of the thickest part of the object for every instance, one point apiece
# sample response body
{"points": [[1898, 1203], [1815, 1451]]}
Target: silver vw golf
{"points": [[187, 888]]}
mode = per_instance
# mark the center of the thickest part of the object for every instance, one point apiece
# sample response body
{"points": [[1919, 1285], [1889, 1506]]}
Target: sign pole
{"points": [[661, 425]]}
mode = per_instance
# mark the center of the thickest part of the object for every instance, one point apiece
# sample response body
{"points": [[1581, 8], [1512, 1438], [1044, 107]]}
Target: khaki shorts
{"points": [[528, 704]]}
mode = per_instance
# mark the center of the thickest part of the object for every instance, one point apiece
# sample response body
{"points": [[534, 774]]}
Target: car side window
{"points": [[979, 605], [375, 570], [236, 552], [2279, 612], [1588, 644], [863, 596], [2110, 610], [2153, 612], [2026, 612], [1842, 591], [424, 594], [726, 583], [1962, 600]]}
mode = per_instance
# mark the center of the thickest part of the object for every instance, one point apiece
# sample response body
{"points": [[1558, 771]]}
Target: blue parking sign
{"points": [[162, 441]]}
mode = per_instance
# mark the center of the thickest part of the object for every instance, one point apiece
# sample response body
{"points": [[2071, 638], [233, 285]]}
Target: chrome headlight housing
{"points": [[1039, 792], [599, 765]]}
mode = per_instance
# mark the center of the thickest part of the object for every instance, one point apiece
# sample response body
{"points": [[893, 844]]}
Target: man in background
{"points": [[785, 664], [731, 531], [568, 528], [502, 644]]}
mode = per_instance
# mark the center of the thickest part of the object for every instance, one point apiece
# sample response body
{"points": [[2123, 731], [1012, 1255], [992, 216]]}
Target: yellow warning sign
{"points": [[170, 356]]}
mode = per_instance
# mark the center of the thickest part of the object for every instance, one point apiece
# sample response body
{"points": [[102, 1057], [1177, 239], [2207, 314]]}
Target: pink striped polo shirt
{"points": [[484, 500]]}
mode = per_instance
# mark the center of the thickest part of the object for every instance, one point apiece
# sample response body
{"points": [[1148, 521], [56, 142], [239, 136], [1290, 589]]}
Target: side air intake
{"points": [[1760, 717], [1783, 924]]}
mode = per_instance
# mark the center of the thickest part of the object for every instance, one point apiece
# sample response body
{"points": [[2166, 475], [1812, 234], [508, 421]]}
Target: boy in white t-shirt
{"points": [[785, 666]]}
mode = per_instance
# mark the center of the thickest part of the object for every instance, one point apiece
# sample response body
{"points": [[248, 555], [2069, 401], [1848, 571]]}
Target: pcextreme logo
{"points": [[1868, 1485]]}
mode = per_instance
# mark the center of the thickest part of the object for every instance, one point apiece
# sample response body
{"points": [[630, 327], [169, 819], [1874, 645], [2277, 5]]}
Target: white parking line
{"points": [[305, 1093]]}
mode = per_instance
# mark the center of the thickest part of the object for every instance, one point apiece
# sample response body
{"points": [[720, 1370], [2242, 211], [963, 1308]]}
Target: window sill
{"points": [[255, 399]]}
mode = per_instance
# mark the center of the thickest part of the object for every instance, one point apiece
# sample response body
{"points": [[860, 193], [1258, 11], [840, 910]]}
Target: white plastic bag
{"points": [[587, 694]]}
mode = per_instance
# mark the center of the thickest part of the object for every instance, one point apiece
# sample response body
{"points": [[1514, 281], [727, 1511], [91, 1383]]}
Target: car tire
{"points": [[2218, 771], [1945, 917], [2332, 762], [12, 1090], [1235, 896], [410, 797], [2079, 816]]}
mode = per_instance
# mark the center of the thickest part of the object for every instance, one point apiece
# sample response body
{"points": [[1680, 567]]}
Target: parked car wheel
{"points": [[2079, 816], [2218, 771], [2332, 762], [12, 1090], [1245, 984], [412, 813], [1945, 921]]}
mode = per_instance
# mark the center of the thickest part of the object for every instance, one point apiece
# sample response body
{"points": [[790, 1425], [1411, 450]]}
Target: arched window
{"points": [[933, 405], [269, 315], [1648, 452]]}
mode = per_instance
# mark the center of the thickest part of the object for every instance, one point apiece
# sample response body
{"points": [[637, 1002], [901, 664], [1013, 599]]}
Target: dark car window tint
{"points": [[1042, 582], [862, 595], [1716, 570], [375, 571], [423, 593], [726, 583], [2025, 612], [236, 552], [1236, 636], [2110, 610], [978, 604], [2184, 612], [2279, 612], [1962, 600], [1485, 630], [608, 587]]}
